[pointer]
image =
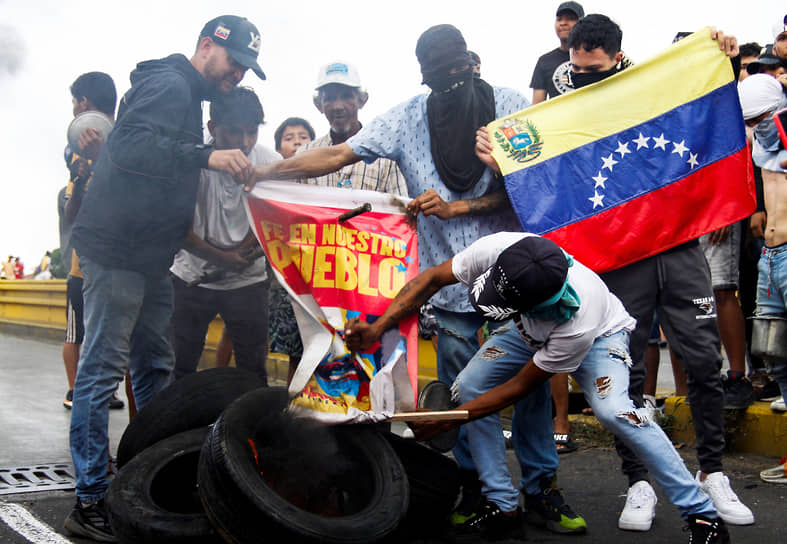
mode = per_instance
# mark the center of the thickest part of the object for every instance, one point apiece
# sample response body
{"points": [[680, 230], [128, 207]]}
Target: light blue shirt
{"points": [[402, 135]]}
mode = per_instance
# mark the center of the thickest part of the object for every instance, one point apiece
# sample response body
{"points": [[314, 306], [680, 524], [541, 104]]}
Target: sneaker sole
{"points": [[640, 526], [534, 518], [77, 529], [737, 520]]}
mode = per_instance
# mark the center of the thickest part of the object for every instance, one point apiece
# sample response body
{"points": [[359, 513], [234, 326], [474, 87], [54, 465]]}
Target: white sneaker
{"points": [[779, 405], [640, 508], [727, 503]]}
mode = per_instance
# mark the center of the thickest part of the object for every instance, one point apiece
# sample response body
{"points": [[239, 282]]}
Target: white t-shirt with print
{"points": [[558, 347]]}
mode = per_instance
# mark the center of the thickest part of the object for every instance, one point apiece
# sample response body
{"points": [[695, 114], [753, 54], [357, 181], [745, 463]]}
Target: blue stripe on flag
{"points": [[604, 173]]}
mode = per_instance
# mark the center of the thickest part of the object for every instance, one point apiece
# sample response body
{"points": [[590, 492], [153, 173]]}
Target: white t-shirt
{"points": [[558, 347], [220, 219]]}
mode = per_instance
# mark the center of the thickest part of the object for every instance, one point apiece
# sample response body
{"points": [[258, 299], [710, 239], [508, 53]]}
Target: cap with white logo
{"points": [[239, 36], [338, 72]]}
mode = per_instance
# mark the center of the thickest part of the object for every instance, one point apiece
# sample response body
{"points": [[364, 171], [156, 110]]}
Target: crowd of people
{"points": [[155, 234], [13, 269]]}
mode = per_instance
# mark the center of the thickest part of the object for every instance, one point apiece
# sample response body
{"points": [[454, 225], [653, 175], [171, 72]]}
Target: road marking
{"points": [[30, 527]]}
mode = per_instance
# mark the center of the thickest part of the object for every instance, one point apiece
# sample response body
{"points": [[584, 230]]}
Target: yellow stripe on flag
{"points": [[687, 70]]}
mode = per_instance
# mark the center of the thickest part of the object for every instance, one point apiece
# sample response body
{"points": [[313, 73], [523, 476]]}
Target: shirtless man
{"points": [[762, 95]]}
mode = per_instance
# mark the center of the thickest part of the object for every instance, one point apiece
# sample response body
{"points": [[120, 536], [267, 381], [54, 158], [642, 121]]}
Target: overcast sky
{"points": [[45, 45]]}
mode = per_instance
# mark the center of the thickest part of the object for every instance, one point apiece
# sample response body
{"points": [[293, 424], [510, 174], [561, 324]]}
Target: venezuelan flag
{"points": [[633, 165]]}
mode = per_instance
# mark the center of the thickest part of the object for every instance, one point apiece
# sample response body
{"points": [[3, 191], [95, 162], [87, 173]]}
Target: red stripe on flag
{"points": [[713, 197]]}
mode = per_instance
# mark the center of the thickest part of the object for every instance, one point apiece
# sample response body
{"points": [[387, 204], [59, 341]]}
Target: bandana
{"points": [[759, 93], [454, 116], [458, 106], [561, 306]]}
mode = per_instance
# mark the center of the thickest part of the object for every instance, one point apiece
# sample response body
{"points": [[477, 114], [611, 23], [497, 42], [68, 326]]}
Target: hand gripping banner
{"points": [[335, 270]]}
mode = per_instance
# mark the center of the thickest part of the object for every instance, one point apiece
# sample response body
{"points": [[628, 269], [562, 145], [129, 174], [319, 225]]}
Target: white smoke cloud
{"points": [[12, 50]]}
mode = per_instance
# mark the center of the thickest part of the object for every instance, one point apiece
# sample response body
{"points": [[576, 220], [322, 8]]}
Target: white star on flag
{"points": [[692, 160], [661, 142], [642, 141], [599, 179], [680, 149], [597, 200], [609, 162], [622, 149]]}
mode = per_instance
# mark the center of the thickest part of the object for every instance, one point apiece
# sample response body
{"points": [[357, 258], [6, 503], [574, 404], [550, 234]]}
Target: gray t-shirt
{"points": [[220, 219]]}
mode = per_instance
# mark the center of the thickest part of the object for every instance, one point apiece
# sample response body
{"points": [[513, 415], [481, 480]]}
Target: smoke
{"points": [[12, 50]]}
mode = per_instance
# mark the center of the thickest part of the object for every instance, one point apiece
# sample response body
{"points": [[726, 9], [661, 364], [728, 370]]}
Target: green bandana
{"points": [[559, 307]]}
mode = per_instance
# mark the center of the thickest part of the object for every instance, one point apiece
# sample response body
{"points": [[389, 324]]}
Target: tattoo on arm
{"points": [[488, 204], [410, 298]]}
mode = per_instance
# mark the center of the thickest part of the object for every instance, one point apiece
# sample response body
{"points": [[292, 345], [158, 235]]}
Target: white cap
{"points": [[762, 94], [338, 72]]}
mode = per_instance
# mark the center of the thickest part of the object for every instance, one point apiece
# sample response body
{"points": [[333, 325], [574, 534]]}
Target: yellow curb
{"points": [[758, 429]]}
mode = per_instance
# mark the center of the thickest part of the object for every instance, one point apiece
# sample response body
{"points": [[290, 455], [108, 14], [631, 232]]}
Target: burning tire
{"points": [[154, 498], [193, 401], [434, 485], [266, 475]]}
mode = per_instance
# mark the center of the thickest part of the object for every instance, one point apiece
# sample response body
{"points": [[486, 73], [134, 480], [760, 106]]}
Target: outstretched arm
{"points": [[360, 335], [307, 164]]}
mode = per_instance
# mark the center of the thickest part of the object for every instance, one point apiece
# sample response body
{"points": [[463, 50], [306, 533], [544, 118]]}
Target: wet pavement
{"points": [[34, 432]]}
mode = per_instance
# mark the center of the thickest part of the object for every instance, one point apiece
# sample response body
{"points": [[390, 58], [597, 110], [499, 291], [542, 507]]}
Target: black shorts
{"points": [[75, 321]]}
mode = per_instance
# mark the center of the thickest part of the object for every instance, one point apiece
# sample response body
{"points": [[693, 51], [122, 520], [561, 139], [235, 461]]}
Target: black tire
{"points": [[434, 486], [191, 402], [266, 475], [154, 498]]}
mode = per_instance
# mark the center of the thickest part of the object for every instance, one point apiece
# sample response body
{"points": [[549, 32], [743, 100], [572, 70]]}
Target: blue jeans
{"points": [[126, 320], [603, 376], [457, 342], [772, 299]]}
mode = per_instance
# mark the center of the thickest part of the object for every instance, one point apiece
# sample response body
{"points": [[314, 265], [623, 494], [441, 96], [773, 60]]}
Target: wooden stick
{"points": [[366, 207], [444, 415]]}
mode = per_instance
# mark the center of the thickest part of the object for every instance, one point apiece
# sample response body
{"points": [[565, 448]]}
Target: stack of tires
{"points": [[216, 457]]}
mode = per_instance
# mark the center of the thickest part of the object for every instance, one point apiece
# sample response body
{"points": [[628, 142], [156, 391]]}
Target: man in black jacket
{"points": [[132, 222]]}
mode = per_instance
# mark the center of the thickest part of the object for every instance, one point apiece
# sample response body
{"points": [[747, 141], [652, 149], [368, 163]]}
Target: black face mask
{"points": [[447, 82], [579, 80]]}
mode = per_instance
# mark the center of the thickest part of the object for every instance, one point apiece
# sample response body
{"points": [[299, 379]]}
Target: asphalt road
{"points": [[33, 430]]}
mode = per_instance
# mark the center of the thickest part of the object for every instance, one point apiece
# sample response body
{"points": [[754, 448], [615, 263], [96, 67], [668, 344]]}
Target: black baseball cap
{"points": [[573, 7], [766, 59], [526, 274], [239, 36]]}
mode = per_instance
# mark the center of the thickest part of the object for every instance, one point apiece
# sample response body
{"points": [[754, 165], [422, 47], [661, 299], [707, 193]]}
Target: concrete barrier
{"points": [[37, 308]]}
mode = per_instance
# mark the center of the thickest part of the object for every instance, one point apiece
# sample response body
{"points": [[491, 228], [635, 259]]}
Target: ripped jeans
{"points": [[604, 378]]}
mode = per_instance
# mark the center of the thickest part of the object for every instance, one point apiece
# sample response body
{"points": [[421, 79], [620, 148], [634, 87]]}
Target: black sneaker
{"points": [[769, 390], [549, 509], [90, 521], [490, 524], [738, 393], [471, 500], [68, 403], [704, 530], [115, 403]]}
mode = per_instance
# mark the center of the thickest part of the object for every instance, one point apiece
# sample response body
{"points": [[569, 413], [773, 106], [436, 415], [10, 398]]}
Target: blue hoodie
{"points": [[139, 206]]}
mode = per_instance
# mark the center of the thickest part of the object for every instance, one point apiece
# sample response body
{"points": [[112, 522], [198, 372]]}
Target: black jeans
{"points": [[677, 284], [245, 314]]}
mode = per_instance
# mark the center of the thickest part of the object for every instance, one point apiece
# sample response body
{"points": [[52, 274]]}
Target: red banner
{"points": [[336, 270]]}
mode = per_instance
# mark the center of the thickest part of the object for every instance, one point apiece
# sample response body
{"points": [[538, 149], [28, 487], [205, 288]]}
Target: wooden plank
{"points": [[444, 415]]}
